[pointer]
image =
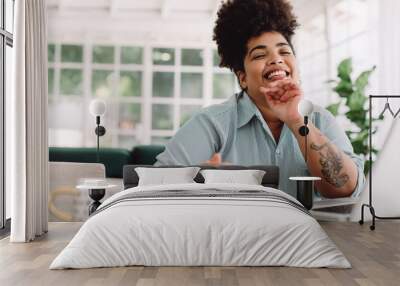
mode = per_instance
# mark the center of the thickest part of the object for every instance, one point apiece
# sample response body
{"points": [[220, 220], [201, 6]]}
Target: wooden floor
{"points": [[375, 256]]}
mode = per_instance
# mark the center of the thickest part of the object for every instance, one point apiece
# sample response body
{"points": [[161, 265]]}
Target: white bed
{"points": [[265, 229]]}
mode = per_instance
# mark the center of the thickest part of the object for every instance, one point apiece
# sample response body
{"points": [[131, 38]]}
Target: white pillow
{"points": [[248, 177], [165, 176]]}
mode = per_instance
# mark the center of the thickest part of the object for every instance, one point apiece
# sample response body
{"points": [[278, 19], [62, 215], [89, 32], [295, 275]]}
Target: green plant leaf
{"points": [[366, 167], [345, 69], [357, 117], [362, 80], [362, 135], [334, 108], [356, 101], [359, 147], [344, 88]]}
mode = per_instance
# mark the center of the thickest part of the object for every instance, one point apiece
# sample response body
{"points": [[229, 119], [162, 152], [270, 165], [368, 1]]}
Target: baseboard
{"points": [[5, 231]]}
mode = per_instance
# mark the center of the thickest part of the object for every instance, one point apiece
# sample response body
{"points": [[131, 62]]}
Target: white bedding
{"points": [[227, 231]]}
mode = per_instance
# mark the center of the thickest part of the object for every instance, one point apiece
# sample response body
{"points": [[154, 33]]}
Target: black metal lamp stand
{"points": [[100, 131], [305, 188], [96, 195], [369, 205]]}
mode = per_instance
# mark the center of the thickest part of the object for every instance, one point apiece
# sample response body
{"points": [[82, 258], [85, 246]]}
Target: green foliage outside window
{"points": [[131, 55], [163, 84], [71, 82], [191, 85], [192, 57], [163, 56], [130, 83], [50, 81], [223, 85], [162, 116], [51, 50], [103, 54], [71, 53], [102, 83]]}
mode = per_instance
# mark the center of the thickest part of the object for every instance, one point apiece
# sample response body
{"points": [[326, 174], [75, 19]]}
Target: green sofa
{"points": [[113, 159]]}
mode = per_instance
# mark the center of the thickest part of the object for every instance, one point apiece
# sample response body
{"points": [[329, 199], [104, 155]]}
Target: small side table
{"points": [[97, 190], [305, 190]]}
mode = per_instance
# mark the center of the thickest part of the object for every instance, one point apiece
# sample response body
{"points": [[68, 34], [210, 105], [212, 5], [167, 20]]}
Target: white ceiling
{"points": [[145, 20]]}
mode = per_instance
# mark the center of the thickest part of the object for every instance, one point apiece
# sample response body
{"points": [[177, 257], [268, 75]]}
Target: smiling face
{"points": [[269, 58]]}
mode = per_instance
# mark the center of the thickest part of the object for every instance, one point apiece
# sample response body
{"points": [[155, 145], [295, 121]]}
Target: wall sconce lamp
{"points": [[97, 108]]}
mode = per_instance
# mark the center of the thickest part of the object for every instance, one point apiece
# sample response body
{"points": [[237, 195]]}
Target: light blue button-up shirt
{"points": [[237, 130]]}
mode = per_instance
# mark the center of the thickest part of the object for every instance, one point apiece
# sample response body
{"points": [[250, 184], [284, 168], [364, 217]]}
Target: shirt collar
{"points": [[246, 109]]}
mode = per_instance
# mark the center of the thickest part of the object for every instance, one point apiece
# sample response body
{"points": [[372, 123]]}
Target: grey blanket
{"points": [[204, 194]]}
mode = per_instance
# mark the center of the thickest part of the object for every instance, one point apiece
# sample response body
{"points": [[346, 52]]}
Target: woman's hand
{"points": [[283, 98], [216, 160]]}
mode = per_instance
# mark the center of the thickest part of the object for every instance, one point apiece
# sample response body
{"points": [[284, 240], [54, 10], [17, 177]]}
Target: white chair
{"points": [[339, 209], [66, 203]]}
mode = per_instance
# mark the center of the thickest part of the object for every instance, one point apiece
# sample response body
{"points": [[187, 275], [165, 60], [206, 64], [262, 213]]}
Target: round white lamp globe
{"points": [[97, 107], [305, 107]]}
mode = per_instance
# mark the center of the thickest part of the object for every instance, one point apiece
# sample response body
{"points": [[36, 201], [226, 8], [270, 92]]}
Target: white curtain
{"points": [[26, 119]]}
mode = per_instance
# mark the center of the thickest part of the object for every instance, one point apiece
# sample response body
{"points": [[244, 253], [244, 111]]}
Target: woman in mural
{"points": [[260, 125]]}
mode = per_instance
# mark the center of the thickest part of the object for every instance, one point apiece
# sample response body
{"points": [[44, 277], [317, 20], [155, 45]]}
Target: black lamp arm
{"points": [[303, 130], [100, 131]]}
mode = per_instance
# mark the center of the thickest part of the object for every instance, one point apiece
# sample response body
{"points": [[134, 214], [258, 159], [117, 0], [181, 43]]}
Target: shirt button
{"points": [[278, 152]]}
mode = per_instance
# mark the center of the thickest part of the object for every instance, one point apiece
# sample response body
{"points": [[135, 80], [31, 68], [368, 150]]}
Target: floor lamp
{"points": [[97, 108], [305, 184]]}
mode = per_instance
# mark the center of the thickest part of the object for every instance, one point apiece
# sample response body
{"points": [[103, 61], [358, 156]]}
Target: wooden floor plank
{"points": [[374, 255]]}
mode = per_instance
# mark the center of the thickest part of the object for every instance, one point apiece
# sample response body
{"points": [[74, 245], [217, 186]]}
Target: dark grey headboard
{"points": [[270, 179]]}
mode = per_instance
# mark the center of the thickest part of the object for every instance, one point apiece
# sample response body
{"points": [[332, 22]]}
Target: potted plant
{"points": [[352, 94]]}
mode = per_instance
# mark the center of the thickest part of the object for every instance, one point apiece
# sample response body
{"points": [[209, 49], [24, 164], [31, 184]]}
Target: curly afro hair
{"points": [[240, 20]]}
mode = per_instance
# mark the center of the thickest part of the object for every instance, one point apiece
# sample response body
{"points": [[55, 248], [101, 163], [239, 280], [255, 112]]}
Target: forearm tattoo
{"points": [[331, 163]]}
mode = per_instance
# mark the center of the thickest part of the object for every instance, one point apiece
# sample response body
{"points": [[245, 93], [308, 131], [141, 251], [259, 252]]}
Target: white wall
{"points": [[385, 182]]}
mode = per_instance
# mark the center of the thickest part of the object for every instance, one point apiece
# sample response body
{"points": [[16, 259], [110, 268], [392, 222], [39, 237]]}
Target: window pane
{"points": [[348, 18], [66, 138], [102, 83], [131, 55], [71, 82], [66, 130], [51, 50], [162, 116], [223, 85], [216, 58], [163, 84], [103, 54], [192, 85], [130, 83], [187, 111], [50, 80], [8, 89], [129, 115], [163, 56], [60, 112], [158, 140], [192, 57], [106, 140], [71, 53], [9, 15]]}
